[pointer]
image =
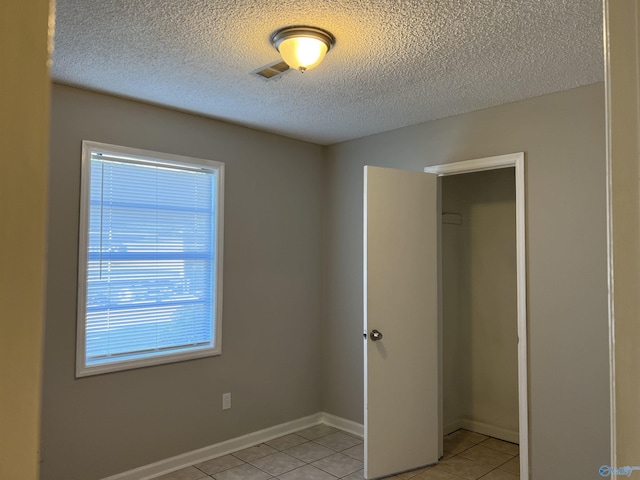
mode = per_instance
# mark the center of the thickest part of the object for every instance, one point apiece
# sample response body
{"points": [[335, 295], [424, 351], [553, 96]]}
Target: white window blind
{"points": [[151, 260]]}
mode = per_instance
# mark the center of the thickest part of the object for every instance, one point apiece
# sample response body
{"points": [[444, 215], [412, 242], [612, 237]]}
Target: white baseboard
{"points": [[343, 424], [484, 428], [168, 465], [452, 427]]}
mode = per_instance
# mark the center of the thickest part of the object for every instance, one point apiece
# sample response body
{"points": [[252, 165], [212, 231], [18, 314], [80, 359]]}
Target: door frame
{"points": [[492, 163]]}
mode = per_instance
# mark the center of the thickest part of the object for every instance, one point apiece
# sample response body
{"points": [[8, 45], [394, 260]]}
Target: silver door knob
{"points": [[375, 335]]}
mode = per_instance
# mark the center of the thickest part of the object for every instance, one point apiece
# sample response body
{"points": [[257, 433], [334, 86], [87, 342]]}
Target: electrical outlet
{"points": [[226, 401]]}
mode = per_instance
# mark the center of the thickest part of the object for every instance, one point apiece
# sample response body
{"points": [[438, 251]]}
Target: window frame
{"points": [[88, 148]]}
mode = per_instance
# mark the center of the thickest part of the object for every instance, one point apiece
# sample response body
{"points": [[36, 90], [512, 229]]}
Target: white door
{"points": [[401, 303]]}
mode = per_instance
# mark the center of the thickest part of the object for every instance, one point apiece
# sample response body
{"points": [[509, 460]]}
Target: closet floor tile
{"points": [[463, 467], [486, 456], [501, 446], [512, 466]]}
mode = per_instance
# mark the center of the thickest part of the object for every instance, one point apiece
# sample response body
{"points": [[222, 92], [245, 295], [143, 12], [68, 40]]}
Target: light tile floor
{"points": [[326, 453]]}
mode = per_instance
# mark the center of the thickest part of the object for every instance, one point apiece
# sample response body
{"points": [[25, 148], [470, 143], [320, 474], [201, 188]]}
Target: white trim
{"points": [[610, 273], [136, 155], [440, 327], [187, 459], [476, 165], [483, 428], [490, 163], [452, 427], [348, 426], [85, 178], [365, 312]]}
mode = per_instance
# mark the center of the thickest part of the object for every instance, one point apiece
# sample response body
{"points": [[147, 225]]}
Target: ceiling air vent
{"points": [[272, 71]]}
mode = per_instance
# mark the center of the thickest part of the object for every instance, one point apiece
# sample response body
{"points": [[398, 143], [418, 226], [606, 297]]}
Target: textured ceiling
{"points": [[395, 63]]}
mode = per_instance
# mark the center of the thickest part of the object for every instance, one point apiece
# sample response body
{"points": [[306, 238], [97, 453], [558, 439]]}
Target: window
{"points": [[150, 259]]}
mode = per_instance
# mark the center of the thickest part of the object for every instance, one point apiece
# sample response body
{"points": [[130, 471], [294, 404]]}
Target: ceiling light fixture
{"points": [[302, 47]]}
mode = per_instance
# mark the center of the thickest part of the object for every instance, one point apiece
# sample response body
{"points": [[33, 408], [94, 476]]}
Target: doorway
{"points": [[479, 305], [403, 315], [482, 300]]}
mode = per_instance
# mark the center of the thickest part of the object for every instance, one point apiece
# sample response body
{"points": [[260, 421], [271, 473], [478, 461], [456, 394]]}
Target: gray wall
{"points": [[273, 362], [563, 138], [101, 425], [480, 334]]}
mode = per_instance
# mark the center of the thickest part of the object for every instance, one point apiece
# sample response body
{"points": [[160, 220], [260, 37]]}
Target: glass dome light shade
{"points": [[302, 53], [302, 47]]}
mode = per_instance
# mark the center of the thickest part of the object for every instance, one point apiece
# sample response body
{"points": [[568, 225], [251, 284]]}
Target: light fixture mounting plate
{"points": [[303, 31]]}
